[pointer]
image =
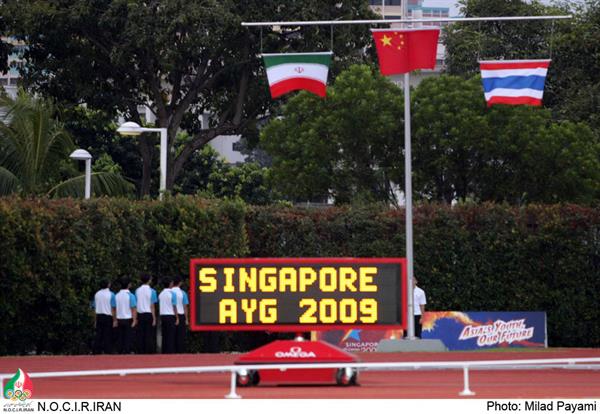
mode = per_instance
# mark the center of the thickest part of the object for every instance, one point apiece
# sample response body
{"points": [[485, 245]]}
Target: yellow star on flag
{"points": [[387, 41]]}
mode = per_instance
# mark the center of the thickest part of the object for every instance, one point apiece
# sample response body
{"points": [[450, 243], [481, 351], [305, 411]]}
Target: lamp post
{"points": [[83, 155], [133, 129]]}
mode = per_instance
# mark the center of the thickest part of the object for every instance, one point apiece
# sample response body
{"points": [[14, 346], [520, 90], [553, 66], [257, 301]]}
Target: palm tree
{"points": [[34, 144]]}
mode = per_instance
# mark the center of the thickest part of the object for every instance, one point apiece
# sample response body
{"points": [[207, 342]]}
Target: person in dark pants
{"points": [[182, 314], [146, 298], [168, 316], [126, 317], [104, 306], [419, 302]]}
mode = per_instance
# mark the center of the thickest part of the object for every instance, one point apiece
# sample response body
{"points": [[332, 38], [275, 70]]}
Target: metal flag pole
{"points": [[390, 21], [410, 312], [408, 208]]}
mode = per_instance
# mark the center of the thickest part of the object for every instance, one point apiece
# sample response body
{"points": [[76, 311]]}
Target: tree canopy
{"points": [[200, 72], [515, 154], [346, 146], [573, 82], [349, 145], [34, 153], [183, 58], [208, 174]]}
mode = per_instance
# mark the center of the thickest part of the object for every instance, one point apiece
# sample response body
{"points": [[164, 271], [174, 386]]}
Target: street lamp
{"points": [[133, 129], [83, 155]]}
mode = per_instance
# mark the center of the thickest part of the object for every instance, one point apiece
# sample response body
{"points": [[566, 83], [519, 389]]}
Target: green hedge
{"points": [[467, 258], [54, 253], [472, 257]]}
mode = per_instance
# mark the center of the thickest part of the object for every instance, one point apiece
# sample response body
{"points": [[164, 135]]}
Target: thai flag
{"points": [[514, 82]]}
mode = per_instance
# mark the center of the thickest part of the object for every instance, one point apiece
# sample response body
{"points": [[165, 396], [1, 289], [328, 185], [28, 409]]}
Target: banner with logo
{"points": [[457, 330], [357, 340], [480, 330]]}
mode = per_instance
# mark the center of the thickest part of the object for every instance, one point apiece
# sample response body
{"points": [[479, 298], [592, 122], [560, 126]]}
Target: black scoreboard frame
{"points": [[283, 327]]}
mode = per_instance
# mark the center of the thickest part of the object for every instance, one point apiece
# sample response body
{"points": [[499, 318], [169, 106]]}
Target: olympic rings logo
{"points": [[18, 395]]}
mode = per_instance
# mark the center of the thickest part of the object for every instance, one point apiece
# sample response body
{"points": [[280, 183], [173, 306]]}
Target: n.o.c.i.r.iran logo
{"points": [[19, 387]]}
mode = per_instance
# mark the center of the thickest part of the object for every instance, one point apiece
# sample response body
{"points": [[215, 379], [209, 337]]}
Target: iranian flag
{"points": [[19, 387], [288, 72]]}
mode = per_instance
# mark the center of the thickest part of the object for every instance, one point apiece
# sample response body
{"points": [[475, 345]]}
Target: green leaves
{"points": [[345, 146], [349, 145], [32, 143], [34, 154], [181, 58], [514, 154], [102, 183], [467, 257], [55, 252]]}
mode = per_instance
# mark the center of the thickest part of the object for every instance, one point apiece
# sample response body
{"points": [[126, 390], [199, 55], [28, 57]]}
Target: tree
{"points": [[466, 43], [184, 58], [208, 174], [531, 158], [505, 153], [573, 82], [34, 153], [347, 146], [249, 182], [449, 126], [95, 131], [573, 85]]}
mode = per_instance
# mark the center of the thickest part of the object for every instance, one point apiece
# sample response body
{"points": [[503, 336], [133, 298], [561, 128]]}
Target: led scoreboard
{"points": [[297, 294]]}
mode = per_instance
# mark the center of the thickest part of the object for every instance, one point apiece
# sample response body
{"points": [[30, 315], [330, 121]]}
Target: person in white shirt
{"points": [[146, 298], [126, 317], [167, 306], [182, 314], [104, 306], [419, 303]]}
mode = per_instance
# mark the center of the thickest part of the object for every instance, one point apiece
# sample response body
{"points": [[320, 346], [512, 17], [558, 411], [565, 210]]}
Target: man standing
{"points": [[146, 309], [104, 305], [167, 302], [419, 302], [182, 314], [126, 317]]}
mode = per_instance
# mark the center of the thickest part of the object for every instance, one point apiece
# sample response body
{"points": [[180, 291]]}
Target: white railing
{"points": [[565, 363]]}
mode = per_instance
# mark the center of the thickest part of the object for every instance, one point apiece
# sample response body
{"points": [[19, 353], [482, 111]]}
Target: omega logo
{"points": [[295, 352]]}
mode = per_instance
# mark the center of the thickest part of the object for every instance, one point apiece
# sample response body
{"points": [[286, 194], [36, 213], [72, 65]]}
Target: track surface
{"points": [[553, 383]]}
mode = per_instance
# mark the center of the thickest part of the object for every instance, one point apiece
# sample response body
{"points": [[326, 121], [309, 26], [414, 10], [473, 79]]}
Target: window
{"points": [[387, 2]]}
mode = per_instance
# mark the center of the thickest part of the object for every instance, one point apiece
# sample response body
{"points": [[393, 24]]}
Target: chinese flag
{"points": [[402, 51]]}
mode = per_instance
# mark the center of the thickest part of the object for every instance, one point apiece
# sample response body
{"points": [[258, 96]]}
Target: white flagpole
{"points": [[391, 21], [408, 208], [408, 197]]}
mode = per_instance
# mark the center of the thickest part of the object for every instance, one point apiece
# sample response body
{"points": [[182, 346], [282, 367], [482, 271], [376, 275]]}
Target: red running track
{"points": [[547, 383]]}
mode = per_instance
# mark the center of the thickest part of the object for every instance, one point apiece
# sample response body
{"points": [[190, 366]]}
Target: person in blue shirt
{"points": [[104, 306], [167, 305], [182, 306], [147, 299], [126, 317]]}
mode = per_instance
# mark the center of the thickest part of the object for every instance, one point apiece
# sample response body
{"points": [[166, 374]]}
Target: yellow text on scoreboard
{"points": [[292, 294]]}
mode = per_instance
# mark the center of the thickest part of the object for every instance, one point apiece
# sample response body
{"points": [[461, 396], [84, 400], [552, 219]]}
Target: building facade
{"points": [[10, 80]]}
